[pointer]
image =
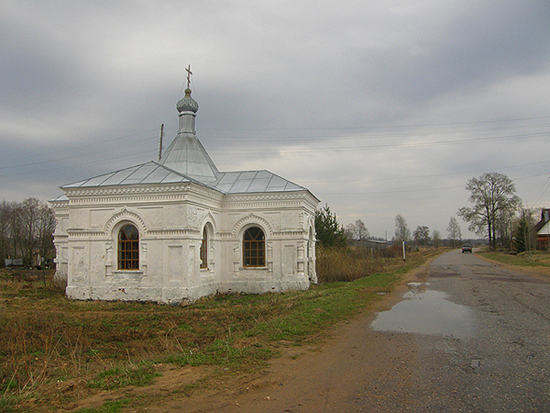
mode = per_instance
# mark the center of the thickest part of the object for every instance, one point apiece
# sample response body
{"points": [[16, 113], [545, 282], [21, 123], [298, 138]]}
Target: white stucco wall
{"points": [[170, 220]]}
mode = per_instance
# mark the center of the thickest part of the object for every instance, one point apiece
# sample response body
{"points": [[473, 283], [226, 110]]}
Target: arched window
{"points": [[254, 247], [128, 248], [204, 249]]}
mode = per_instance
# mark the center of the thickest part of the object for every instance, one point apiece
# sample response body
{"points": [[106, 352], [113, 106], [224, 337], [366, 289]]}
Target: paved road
{"points": [[481, 336], [463, 336]]}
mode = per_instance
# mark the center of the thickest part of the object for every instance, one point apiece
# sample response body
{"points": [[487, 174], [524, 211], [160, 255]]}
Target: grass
{"points": [[122, 376], [115, 406], [535, 260], [46, 339]]}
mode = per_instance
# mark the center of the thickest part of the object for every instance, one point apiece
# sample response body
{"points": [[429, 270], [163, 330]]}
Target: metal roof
{"points": [[186, 155], [254, 181], [146, 173], [227, 183]]}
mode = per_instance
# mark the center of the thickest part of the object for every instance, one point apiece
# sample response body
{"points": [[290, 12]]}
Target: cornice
{"points": [[172, 232], [264, 196], [293, 199], [126, 189], [84, 233], [57, 205], [272, 236], [149, 194]]}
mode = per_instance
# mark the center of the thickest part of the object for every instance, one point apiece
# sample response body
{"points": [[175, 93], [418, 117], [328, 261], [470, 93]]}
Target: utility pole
{"points": [[161, 136]]}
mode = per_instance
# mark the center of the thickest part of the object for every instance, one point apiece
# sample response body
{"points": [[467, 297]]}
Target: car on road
{"points": [[466, 248]]}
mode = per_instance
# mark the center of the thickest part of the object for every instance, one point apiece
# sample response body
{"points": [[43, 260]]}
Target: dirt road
{"points": [[462, 335]]}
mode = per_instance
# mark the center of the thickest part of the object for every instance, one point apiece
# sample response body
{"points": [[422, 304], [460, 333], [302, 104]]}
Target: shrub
{"points": [[347, 264]]}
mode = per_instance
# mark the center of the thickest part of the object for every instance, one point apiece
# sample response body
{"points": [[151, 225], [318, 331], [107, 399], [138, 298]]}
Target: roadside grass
{"points": [[47, 341], [115, 406], [538, 260]]}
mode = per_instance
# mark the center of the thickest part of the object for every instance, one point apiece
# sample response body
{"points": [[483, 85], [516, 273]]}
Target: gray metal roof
{"points": [[146, 173], [187, 156], [227, 183], [254, 181]]}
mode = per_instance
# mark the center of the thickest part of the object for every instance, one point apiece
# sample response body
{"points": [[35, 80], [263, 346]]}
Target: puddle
{"points": [[425, 311]]}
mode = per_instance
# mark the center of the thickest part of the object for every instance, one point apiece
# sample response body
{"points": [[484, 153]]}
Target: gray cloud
{"points": [[378, 107]]}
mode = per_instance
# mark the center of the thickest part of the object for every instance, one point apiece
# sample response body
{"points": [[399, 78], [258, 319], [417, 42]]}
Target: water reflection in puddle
{"points": [[425, 311]]}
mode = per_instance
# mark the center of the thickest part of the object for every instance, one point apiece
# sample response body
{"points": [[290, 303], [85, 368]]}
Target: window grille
{"points": [[254, 248], [128, 248]]}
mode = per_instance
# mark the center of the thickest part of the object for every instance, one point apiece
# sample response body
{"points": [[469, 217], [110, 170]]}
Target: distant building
{"points": [[542, 229], [176, 230]]}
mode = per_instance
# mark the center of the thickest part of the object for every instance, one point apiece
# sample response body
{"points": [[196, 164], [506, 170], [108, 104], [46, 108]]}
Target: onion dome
{"points": [[187, 103]]}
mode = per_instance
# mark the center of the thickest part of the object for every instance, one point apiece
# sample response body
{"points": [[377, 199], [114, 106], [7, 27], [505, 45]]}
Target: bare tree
{"points": [[421, 235], [26, 229], [29, 222], [493, 196], [46, 228], [436, 237], [5, 231], [357, 231], [15, 230], [505, 226], [349, 232], [455, 234], [402, 232], [361, 230]]}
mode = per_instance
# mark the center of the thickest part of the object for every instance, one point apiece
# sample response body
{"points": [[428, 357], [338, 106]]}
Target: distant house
{"points": [[178, 229], [542, 229]]}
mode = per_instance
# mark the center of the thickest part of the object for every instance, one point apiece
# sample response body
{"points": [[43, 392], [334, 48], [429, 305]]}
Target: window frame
{"points": [[203, 251], [255, 247], [128, 249]]}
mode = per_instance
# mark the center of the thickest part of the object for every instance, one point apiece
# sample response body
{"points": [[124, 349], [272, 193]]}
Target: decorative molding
{"points": [[207, 216], [81, 233], [192, 216], [125, 214], [140, 192], [252, 219], [274, 235], [173, 231], [127, 189]]}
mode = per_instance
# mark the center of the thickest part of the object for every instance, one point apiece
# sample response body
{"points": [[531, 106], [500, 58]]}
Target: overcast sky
{"points": [[379, 108]]}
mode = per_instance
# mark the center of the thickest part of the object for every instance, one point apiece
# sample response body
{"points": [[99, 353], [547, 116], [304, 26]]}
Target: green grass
{"points": [[115, 406], [525, 259], [123, 376]]}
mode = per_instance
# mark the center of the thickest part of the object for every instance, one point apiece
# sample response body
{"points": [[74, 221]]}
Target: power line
{"points": [[410, 125], [385, 146]]}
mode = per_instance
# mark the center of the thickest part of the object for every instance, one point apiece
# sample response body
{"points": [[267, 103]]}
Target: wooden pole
{"points": [[161, 136]]}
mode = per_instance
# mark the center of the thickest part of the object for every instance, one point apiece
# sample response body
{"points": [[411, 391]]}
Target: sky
{"points": [[379, 108]]}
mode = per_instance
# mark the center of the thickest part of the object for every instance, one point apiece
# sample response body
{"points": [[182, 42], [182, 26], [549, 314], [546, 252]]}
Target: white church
{"points": [[178, 229]]}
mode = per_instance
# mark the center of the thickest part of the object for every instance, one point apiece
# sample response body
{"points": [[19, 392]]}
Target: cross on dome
{"points": [[187, 103], [189, 73]]}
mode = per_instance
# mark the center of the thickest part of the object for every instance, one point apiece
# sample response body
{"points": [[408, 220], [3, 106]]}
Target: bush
{"points": [[347, 264]]}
